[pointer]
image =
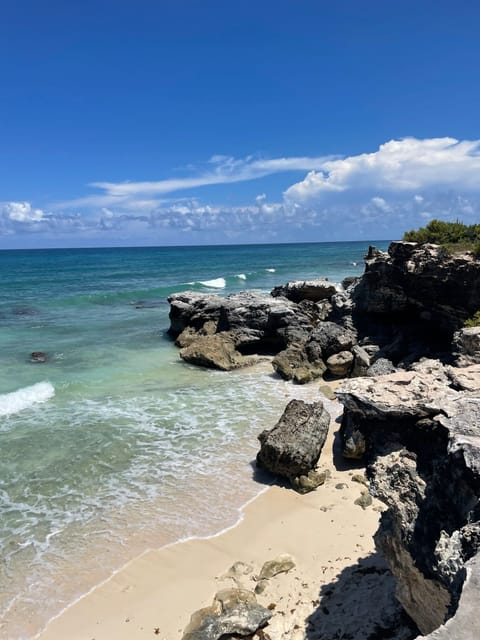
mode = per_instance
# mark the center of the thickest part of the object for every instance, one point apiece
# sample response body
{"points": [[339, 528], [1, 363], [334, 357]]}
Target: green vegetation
{"points": [[453, 236], [474, 321]]}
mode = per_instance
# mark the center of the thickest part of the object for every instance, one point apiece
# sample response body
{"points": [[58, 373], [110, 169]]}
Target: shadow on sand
{"points": [[360, 605]]}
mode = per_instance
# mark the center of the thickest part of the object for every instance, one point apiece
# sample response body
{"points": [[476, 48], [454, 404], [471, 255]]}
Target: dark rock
{"points": [[292, 448], [422, 442], [314, 290], [328, 338], [233, 612], [258, 321], [38, 356], [466, 346], [349, 281], [420, 281]]}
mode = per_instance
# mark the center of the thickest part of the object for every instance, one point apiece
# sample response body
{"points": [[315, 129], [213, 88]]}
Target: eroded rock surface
{"points": [[234, 612], [420, 433], [314, 290], [292, 448]]}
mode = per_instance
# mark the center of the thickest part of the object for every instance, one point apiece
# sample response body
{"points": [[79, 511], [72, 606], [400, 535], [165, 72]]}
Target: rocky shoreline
{"points": [[411, 398]]}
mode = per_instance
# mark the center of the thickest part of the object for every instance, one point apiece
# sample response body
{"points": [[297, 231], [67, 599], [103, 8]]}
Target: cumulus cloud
{"points": [[21, 212], [397, 166], [372, 195]]}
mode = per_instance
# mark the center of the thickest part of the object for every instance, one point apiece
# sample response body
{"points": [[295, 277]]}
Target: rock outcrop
{"points": [[314, 290], [248, 322], [419, 431], [292, 448], [421, 281]]}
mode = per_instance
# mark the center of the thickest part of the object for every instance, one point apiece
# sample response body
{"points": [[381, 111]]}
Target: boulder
{"points": [[340, 364], [328, 338], [293, 446], [314, 290], [234, 612], [294, 364], [215, 352]]}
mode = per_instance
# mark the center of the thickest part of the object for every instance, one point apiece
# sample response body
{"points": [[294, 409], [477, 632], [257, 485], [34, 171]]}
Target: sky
{"points": [[185, 122]]}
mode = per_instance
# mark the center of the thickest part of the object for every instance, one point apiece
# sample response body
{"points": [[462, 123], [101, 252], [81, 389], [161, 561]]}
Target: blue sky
{"points": [[191, 122]]}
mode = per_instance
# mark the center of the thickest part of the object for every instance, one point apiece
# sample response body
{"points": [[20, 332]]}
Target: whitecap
{"points": [[26, 397], [270, 270], [217, 283], [241, 276]]}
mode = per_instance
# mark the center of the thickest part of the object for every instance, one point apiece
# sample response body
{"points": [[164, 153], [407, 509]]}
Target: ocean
{"points": [[114, 445]]}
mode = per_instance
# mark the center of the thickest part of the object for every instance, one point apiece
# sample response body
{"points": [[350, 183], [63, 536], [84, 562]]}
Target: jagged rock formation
{"points": [[314, 290], [420, 434], [421, 282], [254, 322], [292, 448]]}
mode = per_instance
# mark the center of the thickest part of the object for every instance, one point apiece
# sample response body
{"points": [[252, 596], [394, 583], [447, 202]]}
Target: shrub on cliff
{"points": [[453, 236], [474, 321]]}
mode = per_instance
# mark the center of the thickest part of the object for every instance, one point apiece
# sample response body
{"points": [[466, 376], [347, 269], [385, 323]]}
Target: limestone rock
{"points": [[423, 281], [233, 612], [216, 351], [361, 363], [292, 448], [401, 394], [258, 321], [364, 500], [340, 364], [281, 564], [422, 441], [310, 482], [466, 345], [293, 364], [381, 367], [314, 290]]}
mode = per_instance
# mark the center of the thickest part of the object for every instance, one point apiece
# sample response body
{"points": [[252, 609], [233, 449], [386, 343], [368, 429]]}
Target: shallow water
{"points": [[114, 445]]}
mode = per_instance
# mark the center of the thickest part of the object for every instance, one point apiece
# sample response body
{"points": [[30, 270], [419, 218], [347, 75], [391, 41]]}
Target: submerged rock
{"points": [[38, 356], [292, 448]]}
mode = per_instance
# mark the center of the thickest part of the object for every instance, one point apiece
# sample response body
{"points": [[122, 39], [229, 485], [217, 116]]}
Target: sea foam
{"points": [[26, 397], [217, 283]]}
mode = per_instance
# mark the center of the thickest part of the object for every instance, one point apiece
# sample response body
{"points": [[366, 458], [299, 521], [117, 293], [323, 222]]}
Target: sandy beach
{"points": [[325, 532]]}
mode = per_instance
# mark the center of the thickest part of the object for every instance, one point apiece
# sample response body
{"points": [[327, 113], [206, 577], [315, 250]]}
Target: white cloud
{"points": [[397, 166], [21, 212], [371, 195], [221, 170]]}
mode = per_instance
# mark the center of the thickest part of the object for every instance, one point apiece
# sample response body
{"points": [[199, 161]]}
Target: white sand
{"points": [[155, 595]]}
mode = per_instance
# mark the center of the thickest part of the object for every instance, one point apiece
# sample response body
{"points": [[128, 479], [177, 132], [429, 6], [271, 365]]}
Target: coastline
{"points": [[159, 590]]}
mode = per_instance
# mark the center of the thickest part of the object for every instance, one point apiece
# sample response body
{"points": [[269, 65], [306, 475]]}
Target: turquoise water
{"points": [[114, 445]]}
